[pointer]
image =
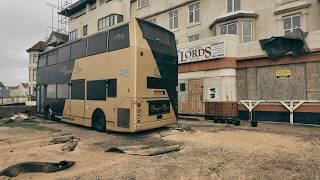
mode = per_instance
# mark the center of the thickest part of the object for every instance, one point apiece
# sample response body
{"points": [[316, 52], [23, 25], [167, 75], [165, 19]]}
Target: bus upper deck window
{"points": [[42, 60], [119, 38]]}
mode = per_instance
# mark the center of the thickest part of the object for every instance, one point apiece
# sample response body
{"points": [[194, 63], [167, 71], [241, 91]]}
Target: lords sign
{"points": [[201, 52]]}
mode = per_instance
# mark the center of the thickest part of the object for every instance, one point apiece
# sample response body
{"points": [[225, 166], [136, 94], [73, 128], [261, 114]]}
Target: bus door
{"points": [[77, 101]]}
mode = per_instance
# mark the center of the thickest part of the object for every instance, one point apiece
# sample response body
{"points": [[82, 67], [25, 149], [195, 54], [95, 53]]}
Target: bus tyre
{"points": [[99, 121]]}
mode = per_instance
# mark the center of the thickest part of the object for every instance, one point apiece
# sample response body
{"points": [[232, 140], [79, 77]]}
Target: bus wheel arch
{"points": [[99, 121]]}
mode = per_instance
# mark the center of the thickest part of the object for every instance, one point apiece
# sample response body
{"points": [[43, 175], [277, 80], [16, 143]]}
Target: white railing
{"points": [[291, 105]]}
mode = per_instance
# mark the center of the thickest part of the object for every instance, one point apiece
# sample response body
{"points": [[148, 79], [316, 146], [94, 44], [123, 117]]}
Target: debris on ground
{"points": [[19, 116], [145, 150], [61, 139], [70, 145], [33, 167]]}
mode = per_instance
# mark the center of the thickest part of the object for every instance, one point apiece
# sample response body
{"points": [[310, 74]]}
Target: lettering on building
{"points": [[201, 52]]}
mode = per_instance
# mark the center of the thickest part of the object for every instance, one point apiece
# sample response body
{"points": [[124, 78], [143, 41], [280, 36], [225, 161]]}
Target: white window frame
{"points": [[173, 19], [194, 37], [233, 9], [193, 11], [109, 20], [142, 3], [251, 30], [227, 25], [291, 29], [73, 35]]}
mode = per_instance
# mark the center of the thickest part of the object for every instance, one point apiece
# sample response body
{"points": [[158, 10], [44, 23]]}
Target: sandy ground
{"points": [[211, 151]]}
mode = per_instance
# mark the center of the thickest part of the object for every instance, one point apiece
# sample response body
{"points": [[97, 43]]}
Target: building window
{"points": [[246, 31], [143, 3], [173, 19], [194, 13], [34, 74], [73, 35], [153, 20], [228, 29], [182, 87], [233, 5], [291, 24], [85, 30], [35, 58], [30, 75], [194, 37], [109, 21]]}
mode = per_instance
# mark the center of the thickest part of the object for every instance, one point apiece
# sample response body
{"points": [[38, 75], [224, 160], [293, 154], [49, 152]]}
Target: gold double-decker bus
{"points": [[123, 79]]}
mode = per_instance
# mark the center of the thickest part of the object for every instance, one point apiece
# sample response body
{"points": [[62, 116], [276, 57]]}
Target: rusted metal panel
{"points": [[221, 109], [195, 96]]}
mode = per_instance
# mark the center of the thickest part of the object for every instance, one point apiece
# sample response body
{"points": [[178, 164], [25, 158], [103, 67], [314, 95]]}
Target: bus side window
{"points": [[52, 91], [78, 49], [42, 60], [119, 38], [77, 89], [97, 44], [52, 58], [112, 88], [64, 54], [96, 90]]}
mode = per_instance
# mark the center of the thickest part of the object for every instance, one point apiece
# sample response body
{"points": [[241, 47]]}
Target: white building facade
{"points": [[221, 61]]}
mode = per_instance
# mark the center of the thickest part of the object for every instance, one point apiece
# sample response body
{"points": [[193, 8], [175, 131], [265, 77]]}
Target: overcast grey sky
{"points": [[23, 23]]}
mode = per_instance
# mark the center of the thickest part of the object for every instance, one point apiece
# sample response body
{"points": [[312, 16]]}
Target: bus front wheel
{"points": [[99, 121]]}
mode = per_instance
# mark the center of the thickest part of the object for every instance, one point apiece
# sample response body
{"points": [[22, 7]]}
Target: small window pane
{"points": [[78, 49], [287, 23], [97, 44], [236, 5], [43, 60], [51, 91], [77, 89], [119, 38], [229, 5], [182, 87], [223, 30], [96, 90], [232, 28], [296, 22], [52, 58], [247, 31], [63, 91], [112, 88], [64, 54]]}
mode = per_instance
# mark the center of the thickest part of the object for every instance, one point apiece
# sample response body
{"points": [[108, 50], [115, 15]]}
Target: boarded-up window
{"points": [[96, 90], [78, 49], [42, 60], [119, 38], [64, 54], [112, 88], [97, 44], [52, 58], [77, 89]]}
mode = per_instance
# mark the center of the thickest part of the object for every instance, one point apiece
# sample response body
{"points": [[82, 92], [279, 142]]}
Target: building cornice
{"points": [[168, 9], [232, 16]]}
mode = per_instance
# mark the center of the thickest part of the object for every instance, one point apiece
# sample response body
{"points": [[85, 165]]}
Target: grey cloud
{"points": [[23, 23]]}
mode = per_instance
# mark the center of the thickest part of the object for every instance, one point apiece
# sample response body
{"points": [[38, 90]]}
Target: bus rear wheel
{"points": [[99, 121]]}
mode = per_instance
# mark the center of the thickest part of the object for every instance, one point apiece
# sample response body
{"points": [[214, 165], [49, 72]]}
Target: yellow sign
{"points": [[283, 74]]}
